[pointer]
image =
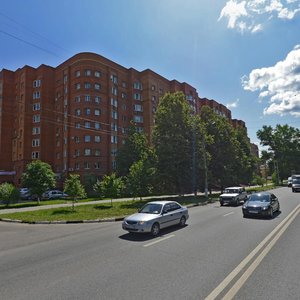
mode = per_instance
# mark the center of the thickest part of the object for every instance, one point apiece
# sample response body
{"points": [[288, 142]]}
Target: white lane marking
{"points": [[237, 286], [228, 214], [237, 270], [159, 240]]}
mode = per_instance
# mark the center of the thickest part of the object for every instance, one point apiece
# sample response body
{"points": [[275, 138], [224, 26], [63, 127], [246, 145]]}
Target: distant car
{"points": [[261, 204], [290, 181], [233, 196], [25, 193], [54, 194], [296, 184], [156, 215]]}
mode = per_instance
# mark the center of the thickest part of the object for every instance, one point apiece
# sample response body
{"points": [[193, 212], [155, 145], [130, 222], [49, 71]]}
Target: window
{"points": [[87, 73], [139, 129], [97, 152], [77, 166], [87, 138], [87, 85], [77, 153], [160, 91], [77, 125], [87, 98], [97, 86], [97, 138], [97, 74], [77, 73], [77, 112], [114, 115], [114, 90], [137, 96], [114, 79], [153, 98], [35, 142], [65, 78], [114, 165], [36, 95], [97, 99], [77, 99], [137, 107], [36, 130], [97, 165], [86, 165], [114, 127], [123, 95], [97, 125], [124, 84], [77, 86], [114, 102], [87, 151], [114, 139], [87, 124], [97, 112], [36, 83], [35, 155], [137, 85], [138, 119], [36, 106], [153, 87], [87, 111], [114, 152], [36, 118], [124, 107], [77, 139]]}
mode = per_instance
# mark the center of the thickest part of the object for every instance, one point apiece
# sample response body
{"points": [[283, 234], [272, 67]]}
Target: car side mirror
{"points": [[164, 211]]}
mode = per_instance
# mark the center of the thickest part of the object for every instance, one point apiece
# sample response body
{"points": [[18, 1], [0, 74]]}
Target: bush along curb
{"points": [[116, 219]]}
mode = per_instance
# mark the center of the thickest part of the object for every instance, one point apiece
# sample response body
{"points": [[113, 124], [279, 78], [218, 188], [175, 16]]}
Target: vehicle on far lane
{"points": [[233, 196], [261, 204], [296, 184], [54, 194], [156, 215]]}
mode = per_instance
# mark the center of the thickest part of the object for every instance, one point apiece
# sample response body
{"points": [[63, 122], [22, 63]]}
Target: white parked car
{"points": [[233, 196], [54, 194]]}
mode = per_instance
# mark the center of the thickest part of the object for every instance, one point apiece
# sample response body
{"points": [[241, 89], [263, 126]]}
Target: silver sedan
{"points": [[156, 215]]}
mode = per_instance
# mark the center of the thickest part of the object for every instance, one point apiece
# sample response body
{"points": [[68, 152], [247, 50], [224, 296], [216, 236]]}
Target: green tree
{"points": [[74, 188], [135, 147], [140, 180], [9, 193], [172, 142], [39, 178], [110, 186], [283, 143]]}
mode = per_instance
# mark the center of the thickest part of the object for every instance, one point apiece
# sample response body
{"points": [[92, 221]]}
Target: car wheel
{"points": [[293, 190], [278, 209], [237, 202], [155, 229], [221, 203], [245, 215], [182, 221], [271, 213]]}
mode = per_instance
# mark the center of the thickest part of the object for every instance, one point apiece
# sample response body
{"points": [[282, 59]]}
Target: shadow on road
{"points": [[142, 237]]}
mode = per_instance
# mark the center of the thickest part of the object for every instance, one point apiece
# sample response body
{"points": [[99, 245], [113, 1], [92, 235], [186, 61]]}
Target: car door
{"points": [[177, 213], [167, 216], [274, 202]]}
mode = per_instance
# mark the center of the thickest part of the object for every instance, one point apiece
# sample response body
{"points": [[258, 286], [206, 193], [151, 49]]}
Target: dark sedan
{"points": [[261, 204]]}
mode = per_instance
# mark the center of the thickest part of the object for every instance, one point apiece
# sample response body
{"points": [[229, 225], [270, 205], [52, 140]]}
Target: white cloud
{"points": [[233, 104], [250, 15], [280, 83]]}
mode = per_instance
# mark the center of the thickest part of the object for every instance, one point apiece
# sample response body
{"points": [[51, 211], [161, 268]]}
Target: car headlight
{"points": [[265, 207], [244, 207], [142, 222]]}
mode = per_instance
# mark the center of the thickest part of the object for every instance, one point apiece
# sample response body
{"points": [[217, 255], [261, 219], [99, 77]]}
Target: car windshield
{"points": [[259, 198], [151, 208], [297, 180], [231, 191]]}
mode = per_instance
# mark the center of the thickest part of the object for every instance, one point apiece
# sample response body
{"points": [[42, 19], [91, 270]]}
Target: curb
{"points": [[88, 221]]}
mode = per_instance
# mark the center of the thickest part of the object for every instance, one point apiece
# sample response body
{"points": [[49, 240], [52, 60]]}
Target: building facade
{"points": [[75, 116]]}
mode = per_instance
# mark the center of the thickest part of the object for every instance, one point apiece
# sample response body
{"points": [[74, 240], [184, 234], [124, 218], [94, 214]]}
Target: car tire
{"points": [[155, 229], [221, 203], [237, 202], [182, 221], [278, 209], [245, 215], [293, 190], [271, 213]]}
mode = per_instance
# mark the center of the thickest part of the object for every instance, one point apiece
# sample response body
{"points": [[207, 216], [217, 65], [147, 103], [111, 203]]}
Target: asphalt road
{"points": [[204, 260]]}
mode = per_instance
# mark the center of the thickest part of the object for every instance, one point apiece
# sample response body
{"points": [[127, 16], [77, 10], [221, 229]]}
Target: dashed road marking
{"points": [[159, 240]]}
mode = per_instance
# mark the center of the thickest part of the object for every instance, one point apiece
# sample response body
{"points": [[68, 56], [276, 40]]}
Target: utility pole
{"points": [[205, 165]]}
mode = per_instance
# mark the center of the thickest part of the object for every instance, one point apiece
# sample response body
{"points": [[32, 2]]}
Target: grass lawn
{"points": [[91, 212]]}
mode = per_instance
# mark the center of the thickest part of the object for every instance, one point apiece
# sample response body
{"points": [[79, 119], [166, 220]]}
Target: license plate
{"points": [[253, 211]]}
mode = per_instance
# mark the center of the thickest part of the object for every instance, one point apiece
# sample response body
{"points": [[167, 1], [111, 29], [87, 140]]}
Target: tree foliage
{"points": [[283, 147], [110, 186], [9, 193], [172, 141], [38, 177], [74, 188]]}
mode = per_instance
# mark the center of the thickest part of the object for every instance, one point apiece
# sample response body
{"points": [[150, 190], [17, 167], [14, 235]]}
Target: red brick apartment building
{"points": [[75, 116]]}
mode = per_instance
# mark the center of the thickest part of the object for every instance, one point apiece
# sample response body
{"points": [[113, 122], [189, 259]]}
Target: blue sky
{"points": [[243, 54]]}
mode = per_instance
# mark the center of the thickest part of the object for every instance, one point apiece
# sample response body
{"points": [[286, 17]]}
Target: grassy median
{"points": [[92, 212]]}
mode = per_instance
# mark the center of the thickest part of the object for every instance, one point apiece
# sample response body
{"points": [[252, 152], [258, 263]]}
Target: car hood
{"points": [[257, 204], [229, 195], [141, 217]]}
